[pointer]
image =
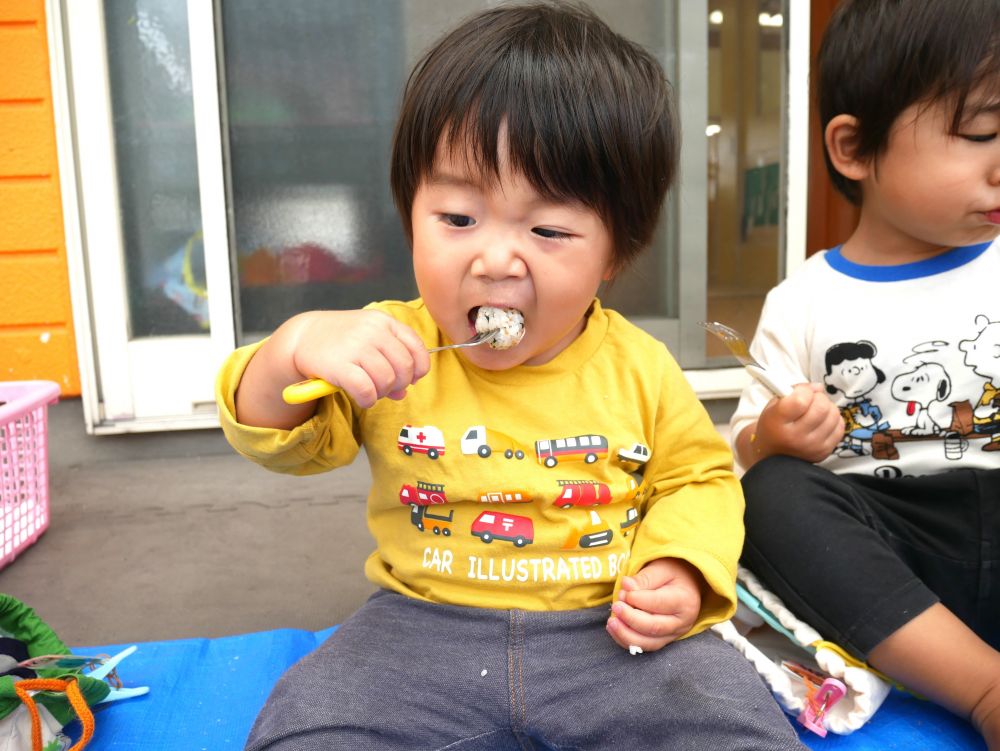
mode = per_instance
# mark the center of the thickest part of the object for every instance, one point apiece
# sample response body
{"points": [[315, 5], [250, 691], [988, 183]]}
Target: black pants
{"points": [[857, 557]]}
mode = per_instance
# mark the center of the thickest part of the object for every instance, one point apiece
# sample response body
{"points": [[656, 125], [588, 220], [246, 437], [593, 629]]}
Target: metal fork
{"points": [[480, 338], [738, 347], [316, 388]]}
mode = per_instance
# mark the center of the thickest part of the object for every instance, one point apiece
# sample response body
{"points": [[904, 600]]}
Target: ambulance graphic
{"points": [[421, 440]]}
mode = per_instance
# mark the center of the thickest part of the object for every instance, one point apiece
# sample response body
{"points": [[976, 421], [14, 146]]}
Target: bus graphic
{"points": [[588, 448]]}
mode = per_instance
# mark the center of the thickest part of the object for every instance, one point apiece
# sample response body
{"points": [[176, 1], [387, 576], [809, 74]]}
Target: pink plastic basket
{"points": [[24, 463]]}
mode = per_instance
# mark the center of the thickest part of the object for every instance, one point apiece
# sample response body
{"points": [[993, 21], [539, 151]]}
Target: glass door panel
{"points": [[149, 65], [747, 59], [142, 163], [311, 90]]}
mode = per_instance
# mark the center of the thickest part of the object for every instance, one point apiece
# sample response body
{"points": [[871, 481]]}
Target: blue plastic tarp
{"points": [[205, 693]]}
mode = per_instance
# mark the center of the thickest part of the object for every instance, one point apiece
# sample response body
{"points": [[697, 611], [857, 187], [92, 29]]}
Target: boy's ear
{"points": [[610, 270], [841, 136]]}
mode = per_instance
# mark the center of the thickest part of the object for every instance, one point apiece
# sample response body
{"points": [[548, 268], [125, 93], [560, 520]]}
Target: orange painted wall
{"points": [[36, 325]]}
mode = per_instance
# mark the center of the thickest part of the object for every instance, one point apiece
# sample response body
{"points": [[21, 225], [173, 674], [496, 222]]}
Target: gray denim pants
{"points": [[404, 674]]}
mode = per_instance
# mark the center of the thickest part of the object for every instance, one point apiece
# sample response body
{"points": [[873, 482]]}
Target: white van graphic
{"points": [[478, 439]]}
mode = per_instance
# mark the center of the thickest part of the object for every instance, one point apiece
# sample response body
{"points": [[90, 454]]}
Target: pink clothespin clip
{"points": [[829, 693]]}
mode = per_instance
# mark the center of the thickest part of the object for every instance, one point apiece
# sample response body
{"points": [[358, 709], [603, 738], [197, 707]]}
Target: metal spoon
{"points": [[316, 388], [739, 348]]}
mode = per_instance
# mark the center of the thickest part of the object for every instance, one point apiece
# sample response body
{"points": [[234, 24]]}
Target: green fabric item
{"points": [[19, 621]]}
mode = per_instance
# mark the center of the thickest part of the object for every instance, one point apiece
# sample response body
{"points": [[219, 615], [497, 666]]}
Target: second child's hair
{"points": [[879, 57], [588, 115]]}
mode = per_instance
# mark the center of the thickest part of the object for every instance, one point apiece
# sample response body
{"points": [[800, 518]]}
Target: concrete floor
{"points": [[158, 536], [172, 535]]}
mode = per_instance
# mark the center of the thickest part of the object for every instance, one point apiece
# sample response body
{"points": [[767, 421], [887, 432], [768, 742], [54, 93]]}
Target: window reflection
{"points": [[150, 76], [747, 54], [311, 93], [311, 89]]}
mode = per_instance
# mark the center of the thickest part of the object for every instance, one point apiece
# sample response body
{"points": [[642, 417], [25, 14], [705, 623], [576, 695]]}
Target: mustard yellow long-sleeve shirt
{"points": [[505, 489]]}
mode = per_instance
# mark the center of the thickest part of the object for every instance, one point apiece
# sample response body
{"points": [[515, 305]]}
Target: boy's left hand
{"points": [[656, 606]]}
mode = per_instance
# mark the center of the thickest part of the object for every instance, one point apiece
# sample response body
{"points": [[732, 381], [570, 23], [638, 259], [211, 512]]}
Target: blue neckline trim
{"points": [[952, 259]]}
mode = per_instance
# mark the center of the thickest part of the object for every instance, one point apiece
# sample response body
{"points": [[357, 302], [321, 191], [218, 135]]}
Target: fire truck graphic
{"points": [[587, 448], [421, 440], [582, 493], [517, 529], [423, 494]]}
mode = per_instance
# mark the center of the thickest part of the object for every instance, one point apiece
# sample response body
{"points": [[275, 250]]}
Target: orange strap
{"points": [[76, 700]]}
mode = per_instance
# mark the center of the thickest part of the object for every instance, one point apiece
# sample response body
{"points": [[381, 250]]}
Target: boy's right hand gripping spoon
{"points": [[501, 328]]}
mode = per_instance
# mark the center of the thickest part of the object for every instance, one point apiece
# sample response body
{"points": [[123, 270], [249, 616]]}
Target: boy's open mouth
{"points": [[507, 322]]}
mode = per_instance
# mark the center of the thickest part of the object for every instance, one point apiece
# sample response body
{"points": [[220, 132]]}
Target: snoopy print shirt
{"points": [[536, 487], [909, 353]]}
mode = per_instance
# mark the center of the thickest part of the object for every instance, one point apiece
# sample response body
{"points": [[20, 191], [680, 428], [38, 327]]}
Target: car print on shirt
{"points": [[505, 496], [632, 489], [637, 453], [422, 494], [422, 517], [519, 530], [587, 448], [421, 440], [594, 533], [480, 440], [582, 493], [631, 519]]}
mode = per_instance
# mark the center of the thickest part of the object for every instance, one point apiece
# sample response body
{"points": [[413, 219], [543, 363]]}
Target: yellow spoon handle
{"points": [[307, 391]]}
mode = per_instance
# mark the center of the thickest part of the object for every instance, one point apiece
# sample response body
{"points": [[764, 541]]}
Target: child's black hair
{"points": [[879, 57], [588, 114]]}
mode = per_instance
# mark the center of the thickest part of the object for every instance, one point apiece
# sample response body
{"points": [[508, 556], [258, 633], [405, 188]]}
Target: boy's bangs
{"points": [[501, 128], [551, 93], [962, 67], [978, 93]]}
